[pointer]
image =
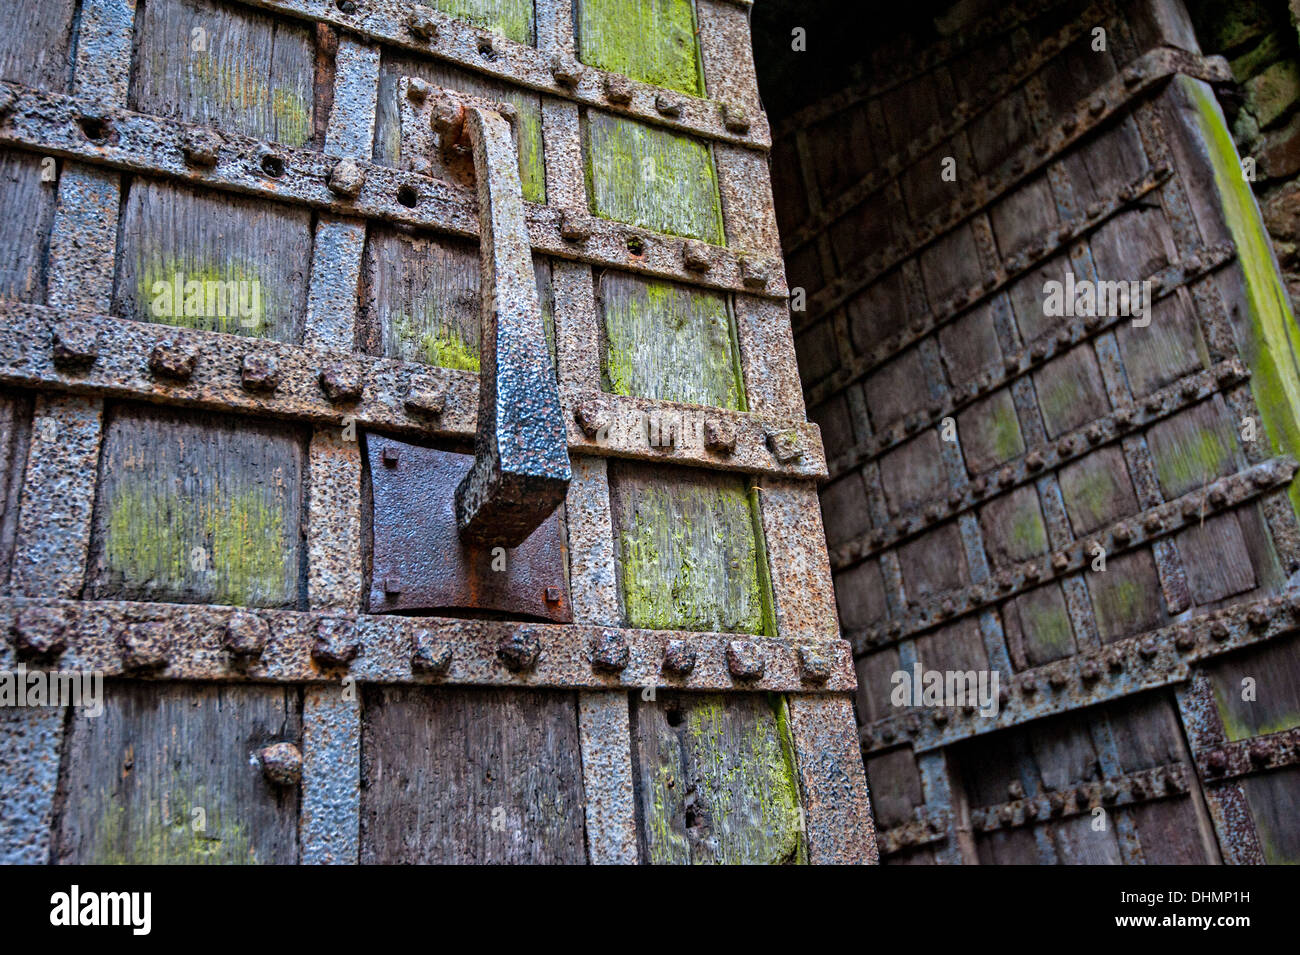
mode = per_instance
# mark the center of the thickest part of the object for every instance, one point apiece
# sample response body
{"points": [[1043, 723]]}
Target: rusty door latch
{"points": [[506, 497]]}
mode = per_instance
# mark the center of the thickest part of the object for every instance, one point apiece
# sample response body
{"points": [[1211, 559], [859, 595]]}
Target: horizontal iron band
{"points": [[1246, 756]]}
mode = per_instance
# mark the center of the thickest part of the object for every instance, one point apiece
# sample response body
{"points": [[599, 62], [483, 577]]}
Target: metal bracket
{"points": [[521, 459]]}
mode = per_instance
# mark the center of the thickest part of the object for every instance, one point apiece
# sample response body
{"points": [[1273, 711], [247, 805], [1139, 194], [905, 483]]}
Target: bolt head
{"points": [[75, 345], [735, 119], [341, 383], [575, 226], [425, 401], [145, 646], [720, 435], [745, 660], [430, 654], [592, 418], [519, 651], [337, 642], [566, 70], [40, 631], [679, 658], [260, 371], [281, 764], [609, 652], [422, 24], [553, 595], [618, 88], [786, 445], [347, 178], [201, 147], [246, 635], [697, 256], [815, 662], [668, 105], [174, 359]]}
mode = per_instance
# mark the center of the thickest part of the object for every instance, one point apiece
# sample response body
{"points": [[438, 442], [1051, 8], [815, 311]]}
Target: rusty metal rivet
{"points": [[1216, 762], [1060, 561], [390, 456], [735, 118], [430, 654], [1257, 618], [281, 764], [337, 642], [1057, 679], [668, 105], [815, 662], [1090, 670], [679, 657], [519, 650], [392, 585], [575, 226], [201, 147], [720, 435], [422, 24], [1153, 523], [425, 401], [74, 344], [341, 383], [417, 90], [347, 178], [259, 371], [592, 418], [754, 272], [144, 646], [1185, 640], [246, 635], [609, 652], [1034, 461], [745, 660], [697, 256], [785, 444], [566, 70], [618, 88], [1148, 649], [1218, 632], [553, 594], [40, 631], [1122, 533], [173, 358]]}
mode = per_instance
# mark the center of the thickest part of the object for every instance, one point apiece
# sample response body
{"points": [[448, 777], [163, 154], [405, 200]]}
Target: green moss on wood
{"points": [[1272, 336], [1028, 535], [166, 834], [234, 88], [649, 40], [1046, 626], [690, 557], [669, 342], [217, 296], [1090, 494], [510, 18], [1192, 458], [652, 178]]}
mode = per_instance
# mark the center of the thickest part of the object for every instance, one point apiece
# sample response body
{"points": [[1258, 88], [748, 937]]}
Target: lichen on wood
{"points": [[652, 178], [512, 19], [669, 342], [649, 40]]}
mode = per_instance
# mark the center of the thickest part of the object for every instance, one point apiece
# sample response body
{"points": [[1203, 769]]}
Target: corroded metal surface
{"points": [[324, 647], [330, 823], [607, 778], [1254, 755], [837, 812], [421, 563]]}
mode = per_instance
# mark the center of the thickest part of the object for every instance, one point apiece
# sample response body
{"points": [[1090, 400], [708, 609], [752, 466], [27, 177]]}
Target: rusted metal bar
{"points": [[1111, 98], [1256, 754], [1158, 658], [54, 124], [1037, 461], [151, 362], [434, 33], [1137, 531], [200, 642]]}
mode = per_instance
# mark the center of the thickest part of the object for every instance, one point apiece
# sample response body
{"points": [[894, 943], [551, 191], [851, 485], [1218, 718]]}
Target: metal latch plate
{"points": [[421, 564]]}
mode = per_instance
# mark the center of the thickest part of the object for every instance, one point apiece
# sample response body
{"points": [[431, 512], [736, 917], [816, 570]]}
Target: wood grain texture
{"points": [[651, 178], [716, 780], [668, 341], [389, 148], [241, 266], [168, 774], [470, 776], [648, 40], [422, 299], [689, 554], [510, 18], [34, 41], [225, 67], [198, 509], [15, 434], [27, 206]]}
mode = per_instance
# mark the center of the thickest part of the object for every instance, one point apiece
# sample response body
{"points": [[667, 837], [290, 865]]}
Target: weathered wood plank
{"points": [[649, 40], [198, 509], [34, 39], [690, 554], [422, 299], [225, 67], [27, 205], [469, 775], [15, 433], [669, 342], [168, 774], [219, 263], [1271, 798], [511, 18], [717, 780], [651, 178], [391, 151]]}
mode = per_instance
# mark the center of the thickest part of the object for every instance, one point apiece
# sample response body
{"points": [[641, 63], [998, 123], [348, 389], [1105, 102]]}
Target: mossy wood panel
{"points": [[717, 780], [649, 40], [423, 303], [690, 554], [651, 178], [197, 508], [1271, 798], [391, 151], [168, 774], [225, 67], [1257, 691], [470, 776], [669, 342], [27, 209], [15, 438], [219, 263], [34, 43], [513, 19]]}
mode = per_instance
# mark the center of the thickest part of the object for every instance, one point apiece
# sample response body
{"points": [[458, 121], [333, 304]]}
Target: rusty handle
{"points": [[521, 458]]}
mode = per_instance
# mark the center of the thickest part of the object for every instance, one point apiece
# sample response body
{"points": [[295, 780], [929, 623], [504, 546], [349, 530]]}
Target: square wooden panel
{"points": [[649, 40], [27, 184], [227, 67], [690, 551], [514, 19], [668, 341], [195, 508], [652, 178]]}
